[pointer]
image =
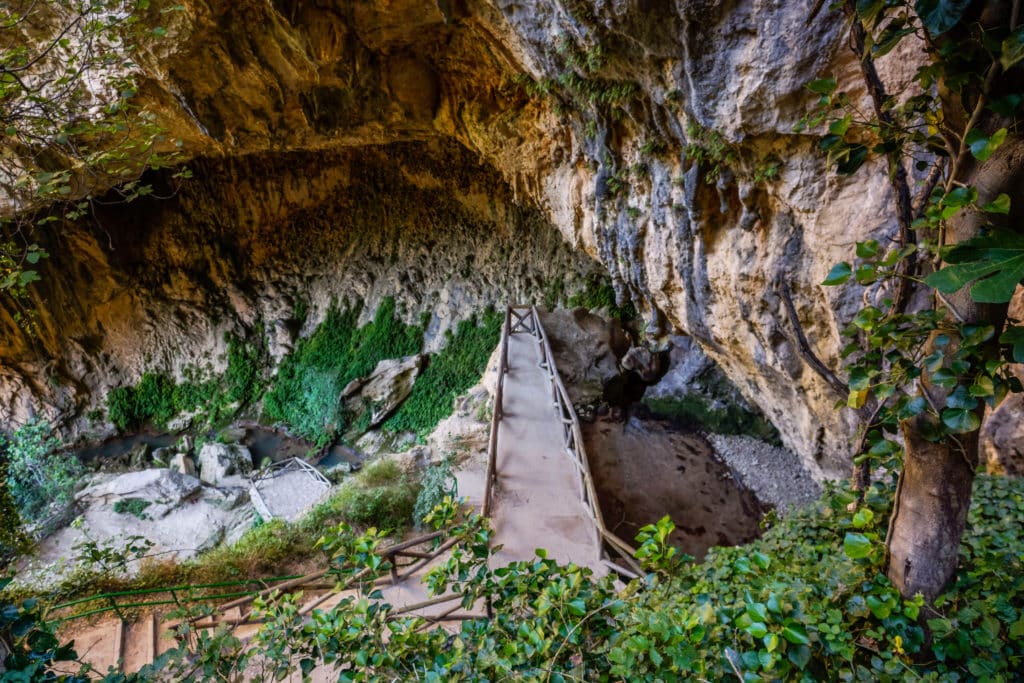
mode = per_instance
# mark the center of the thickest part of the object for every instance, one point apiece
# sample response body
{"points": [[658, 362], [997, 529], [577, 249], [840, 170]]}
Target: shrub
{"points": [[38, 477], [600, 294], [132, 506], [449, 373], [438, 482]]}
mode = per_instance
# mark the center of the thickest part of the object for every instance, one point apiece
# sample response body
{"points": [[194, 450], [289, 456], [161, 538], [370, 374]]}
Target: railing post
{"points": [[117, 609]]}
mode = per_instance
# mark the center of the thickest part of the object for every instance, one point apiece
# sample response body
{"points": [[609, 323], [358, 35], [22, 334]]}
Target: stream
{"points": [[263, 442]]}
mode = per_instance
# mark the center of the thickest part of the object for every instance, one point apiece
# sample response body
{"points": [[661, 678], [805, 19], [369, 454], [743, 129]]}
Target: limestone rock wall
{"points": [[657, 137]]}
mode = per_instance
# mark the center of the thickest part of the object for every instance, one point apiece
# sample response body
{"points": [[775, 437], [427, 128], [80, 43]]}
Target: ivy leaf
{"points": [[960, 420], [983, 146], [961, 399], [856, 546], [995, 260], [1000, 204], [822, 86], [796, 634], [839, 274], [1014, 336], [1013, 49], [938, 16]]}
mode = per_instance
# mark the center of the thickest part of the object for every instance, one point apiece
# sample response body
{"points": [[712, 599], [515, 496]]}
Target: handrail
{"points": [[496, 414], [573, 438]]}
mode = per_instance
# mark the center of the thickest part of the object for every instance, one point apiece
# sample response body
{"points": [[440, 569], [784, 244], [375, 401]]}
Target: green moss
{"points": [[243, 378], [600, 294], [699, 411], [132, 506], [457, 367], [305, 392]]}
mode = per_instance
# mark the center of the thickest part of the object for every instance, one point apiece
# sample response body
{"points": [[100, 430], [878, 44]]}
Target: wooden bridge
{"points": [[537, 490]]}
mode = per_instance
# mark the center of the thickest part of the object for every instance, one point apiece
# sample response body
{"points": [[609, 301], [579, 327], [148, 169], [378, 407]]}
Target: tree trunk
{"points": [[930, 513], [934, 492]]}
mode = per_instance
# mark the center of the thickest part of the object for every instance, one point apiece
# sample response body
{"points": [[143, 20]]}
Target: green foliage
{"points": [[243, 378], [304, 395], [381, 496], [600, 294], [786, 607], [994, 262], [157, 398], [135, 507], [33, 645], [13, 539], [39, 478], [715, 416], [450, 372], [438, 483]]}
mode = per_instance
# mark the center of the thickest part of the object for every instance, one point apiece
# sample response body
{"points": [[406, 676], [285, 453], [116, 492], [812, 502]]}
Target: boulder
{"points": [[388, 385], [162, 456], [164, 489], [138, 456], [218, 460], [182, 463], [687, 367], [587, 349]]}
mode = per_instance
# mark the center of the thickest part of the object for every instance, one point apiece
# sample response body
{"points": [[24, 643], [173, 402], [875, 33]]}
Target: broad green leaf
{"points": [[822, 86], [960, 420], [839, 274], [796, 634], [1014, 336], [961, 399], [867, 249], [1012, 49], [863, 518], [856, 546], [995, 260], [982, 146], [1000, 204], [938, 16]]}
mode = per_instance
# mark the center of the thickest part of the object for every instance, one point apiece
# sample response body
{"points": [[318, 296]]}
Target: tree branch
{"points": [[804, 347]]}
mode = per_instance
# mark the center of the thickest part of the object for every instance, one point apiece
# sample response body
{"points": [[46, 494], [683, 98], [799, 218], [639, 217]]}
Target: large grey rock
{"points": [[218, 460], [183, 463], [156, 485], [587, 349], [385, 388]]}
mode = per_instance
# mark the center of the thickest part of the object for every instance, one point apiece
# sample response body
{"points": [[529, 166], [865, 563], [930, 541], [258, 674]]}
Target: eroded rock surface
{"points": [[657, 138]]}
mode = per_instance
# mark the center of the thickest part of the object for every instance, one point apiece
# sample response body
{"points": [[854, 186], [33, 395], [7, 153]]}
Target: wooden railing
{"points": [[524, 319]]}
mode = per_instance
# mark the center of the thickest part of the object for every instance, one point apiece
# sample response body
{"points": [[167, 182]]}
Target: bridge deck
{"points": [[536, 504]]}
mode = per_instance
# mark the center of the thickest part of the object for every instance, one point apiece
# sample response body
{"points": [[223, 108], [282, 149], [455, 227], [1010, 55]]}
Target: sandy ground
{"points": [[645, 469]]}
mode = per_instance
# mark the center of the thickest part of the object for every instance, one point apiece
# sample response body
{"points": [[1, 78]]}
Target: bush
{"points": [[39, 479], [438, 482], [600, 294], [449, 373], [381, 495]]}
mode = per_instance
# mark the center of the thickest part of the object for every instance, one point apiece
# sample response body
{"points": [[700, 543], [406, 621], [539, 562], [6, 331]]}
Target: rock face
{"points": [[385, 388], [216, 461], [355, 149], [587, 349]]}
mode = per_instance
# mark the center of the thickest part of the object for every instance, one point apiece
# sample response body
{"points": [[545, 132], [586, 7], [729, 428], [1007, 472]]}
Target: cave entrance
{"points": [[645, 468]]}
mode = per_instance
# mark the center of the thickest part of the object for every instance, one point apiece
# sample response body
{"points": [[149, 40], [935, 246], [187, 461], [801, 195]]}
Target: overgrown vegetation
{"points": [[600, 294], [438, 482], [808, 601], [157, 398], [136, 507], [305, 394], [448, 373], [40, 479]]}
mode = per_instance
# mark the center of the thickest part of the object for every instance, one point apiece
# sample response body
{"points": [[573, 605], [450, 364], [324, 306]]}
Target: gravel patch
{"points": [[775, 475]]}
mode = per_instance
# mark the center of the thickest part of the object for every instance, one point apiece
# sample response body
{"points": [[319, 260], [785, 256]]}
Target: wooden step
{"points": [[140, 643]]}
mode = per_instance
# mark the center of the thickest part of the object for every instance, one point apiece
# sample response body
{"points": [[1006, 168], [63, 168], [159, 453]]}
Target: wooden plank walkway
{"points": [[536, 504]]}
